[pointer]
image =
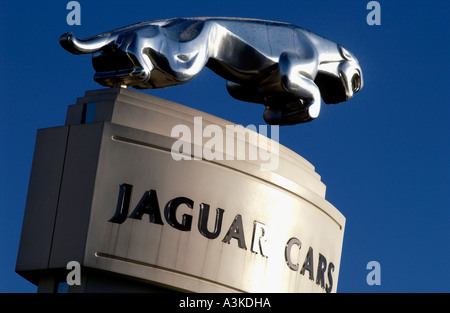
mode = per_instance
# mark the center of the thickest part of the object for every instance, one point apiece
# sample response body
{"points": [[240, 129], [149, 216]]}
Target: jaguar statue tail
{"points": [[77, 46]]}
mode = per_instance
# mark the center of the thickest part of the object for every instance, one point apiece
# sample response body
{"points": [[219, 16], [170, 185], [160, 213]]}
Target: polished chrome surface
{"points": [[279, 65]]}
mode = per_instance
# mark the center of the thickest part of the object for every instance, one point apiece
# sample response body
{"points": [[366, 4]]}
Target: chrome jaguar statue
{"points": [[282, 66]]}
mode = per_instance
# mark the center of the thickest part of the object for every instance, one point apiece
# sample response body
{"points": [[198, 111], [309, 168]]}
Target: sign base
{"points": [[127, 191]]}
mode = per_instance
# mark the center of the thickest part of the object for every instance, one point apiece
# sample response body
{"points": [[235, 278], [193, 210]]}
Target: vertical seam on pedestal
{"points": [[59, 196]]}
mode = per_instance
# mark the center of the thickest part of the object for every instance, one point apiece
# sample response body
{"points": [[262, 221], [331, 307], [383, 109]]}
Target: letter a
{"points": [[74, 16], [374, 276], [73, 278], [181, 149], [236, 231], [374, 16]]}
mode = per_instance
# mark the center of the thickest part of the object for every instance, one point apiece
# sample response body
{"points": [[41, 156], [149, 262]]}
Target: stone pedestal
{"points": [[142, 208]]}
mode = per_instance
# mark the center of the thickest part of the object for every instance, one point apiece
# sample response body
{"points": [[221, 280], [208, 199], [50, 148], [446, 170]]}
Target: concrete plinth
{"points": [[107, 191]]}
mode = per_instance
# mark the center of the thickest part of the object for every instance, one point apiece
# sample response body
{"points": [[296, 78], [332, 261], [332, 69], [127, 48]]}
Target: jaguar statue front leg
{"points": [[288, 93], [297, 77]]}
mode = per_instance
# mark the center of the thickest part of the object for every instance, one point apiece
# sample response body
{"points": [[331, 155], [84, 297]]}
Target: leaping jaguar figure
{"points": [[282, 66]]}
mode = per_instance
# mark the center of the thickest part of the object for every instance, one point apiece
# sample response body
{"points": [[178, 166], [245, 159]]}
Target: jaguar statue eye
{"points": [[182, 57]]}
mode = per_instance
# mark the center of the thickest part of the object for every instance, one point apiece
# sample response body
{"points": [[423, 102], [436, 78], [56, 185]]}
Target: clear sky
{"points": [[384, 155]]}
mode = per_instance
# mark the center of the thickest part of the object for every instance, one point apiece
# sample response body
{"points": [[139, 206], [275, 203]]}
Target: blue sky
{"points": [[383, 155]]}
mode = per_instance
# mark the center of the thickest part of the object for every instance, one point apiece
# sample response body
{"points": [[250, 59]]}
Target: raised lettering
{"points": [[203, 222], [287, 253], [148, 205], [321, 268], [259, 239], [308, 265], [123, 204], [171, 210], [329, 286], [236, 231]]}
